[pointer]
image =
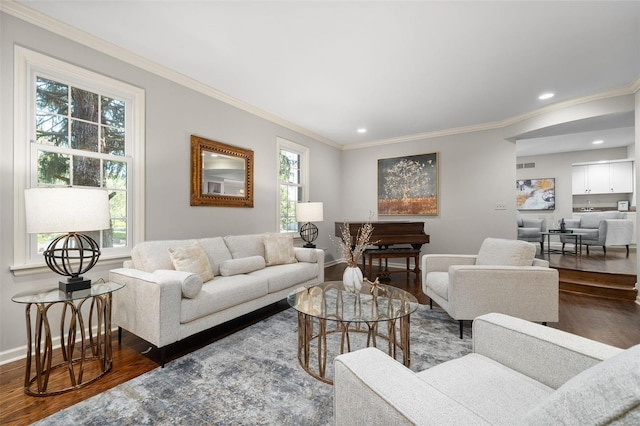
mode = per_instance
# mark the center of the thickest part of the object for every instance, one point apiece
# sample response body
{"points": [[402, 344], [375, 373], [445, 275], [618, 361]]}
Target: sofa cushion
{"points": [[494, 392], [497, 251], [439, 283], [243, 265], [245, 245], [278, 249], [191, 283], [149, 256], [222, 293], [606, 393], [192, 258], [280, 277], [217, 251]]}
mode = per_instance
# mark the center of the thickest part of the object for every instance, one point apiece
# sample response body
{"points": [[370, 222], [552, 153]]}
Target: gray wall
{"points": [[173, 113], [476, 171]]}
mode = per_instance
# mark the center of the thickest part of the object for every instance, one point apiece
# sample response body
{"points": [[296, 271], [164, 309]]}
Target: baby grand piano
{"points": [[389, 233]]}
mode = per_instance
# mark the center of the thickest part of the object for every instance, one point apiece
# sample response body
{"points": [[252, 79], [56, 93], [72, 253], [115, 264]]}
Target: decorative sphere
{"points": [[309, 232], [72, 254]]}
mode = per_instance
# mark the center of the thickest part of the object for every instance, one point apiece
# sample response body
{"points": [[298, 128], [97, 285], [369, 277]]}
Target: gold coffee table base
{"points": [[307, 337], [332, 320]]}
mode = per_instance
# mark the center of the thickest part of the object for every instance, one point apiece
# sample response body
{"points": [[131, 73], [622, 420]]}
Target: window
{"points": [[293, 178], [81, 129]]}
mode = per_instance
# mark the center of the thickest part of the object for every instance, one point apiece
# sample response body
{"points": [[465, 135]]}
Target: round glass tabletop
{"points": [[373, 303]]}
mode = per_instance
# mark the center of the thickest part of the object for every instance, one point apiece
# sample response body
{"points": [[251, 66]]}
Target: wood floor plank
{"points": [[613, 322]]}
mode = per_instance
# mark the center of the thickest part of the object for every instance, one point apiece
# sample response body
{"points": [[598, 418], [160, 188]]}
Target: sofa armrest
{"points": [[148, 305], [311, 255], [529, 292], [543, 353], [371, 388], [442, 262], [617, 232]]}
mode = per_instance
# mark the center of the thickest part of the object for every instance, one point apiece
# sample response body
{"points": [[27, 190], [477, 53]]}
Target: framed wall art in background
{"points": [[408, 185], [536, 194], [623, 206]]}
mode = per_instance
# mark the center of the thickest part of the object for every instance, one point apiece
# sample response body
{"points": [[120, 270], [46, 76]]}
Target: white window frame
{"points": [[29, 64], [303, 151]]}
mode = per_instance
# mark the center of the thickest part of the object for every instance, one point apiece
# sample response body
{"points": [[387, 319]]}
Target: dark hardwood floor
{"points": [[613, 322]]}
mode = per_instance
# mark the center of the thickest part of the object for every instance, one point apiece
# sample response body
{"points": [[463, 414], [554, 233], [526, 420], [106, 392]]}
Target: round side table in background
{"points": [[85, 342]]}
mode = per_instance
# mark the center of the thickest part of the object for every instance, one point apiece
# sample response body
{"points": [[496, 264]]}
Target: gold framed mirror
{"points": [[221, 174]]}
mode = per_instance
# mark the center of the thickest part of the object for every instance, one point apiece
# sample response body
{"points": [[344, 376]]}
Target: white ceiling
{"points": [[395, 68]]}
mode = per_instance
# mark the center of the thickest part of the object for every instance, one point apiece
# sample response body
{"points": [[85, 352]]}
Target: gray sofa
{"points": [[531, 229], [611, 228], [520, 373], [218, 279]]}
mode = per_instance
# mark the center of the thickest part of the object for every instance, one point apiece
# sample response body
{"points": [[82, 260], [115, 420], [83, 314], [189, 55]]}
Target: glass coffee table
{"points": [[333, 320]]}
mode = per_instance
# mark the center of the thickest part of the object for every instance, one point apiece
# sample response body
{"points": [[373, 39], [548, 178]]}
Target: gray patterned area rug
{"points": [[248, 378]]}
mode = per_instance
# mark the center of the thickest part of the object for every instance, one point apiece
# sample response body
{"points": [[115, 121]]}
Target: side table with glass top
{"points": [[333, 320], [85, 340]]}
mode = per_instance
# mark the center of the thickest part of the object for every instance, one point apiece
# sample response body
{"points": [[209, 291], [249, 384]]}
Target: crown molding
{"points": [[55, 26]]}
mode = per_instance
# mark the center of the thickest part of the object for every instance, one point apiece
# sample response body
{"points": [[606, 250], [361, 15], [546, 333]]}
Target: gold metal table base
{"points": [[95, 354], [307, 336]]}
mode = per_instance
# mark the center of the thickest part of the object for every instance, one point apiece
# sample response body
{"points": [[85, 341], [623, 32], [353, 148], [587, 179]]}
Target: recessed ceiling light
{"points": [[544, 96], [598, 142], [362, 130]]}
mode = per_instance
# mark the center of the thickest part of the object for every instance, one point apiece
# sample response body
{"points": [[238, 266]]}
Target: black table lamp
{"points": [[307, 213], [70, 211]]}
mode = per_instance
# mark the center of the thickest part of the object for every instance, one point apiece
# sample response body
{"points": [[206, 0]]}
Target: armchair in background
{"points": [[503, 277], [530, 229]]}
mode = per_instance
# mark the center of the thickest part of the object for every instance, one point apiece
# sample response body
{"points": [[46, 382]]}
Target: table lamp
{"points": [[72, 211], [307, 213]]}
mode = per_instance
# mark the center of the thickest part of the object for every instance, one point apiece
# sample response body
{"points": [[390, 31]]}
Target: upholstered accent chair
{"points": [[531, 229], [519, 373], [504, 277], [604, 229]]}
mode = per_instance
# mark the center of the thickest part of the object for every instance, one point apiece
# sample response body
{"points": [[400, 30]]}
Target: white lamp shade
{"points": [[309, 212], [55, 210]]}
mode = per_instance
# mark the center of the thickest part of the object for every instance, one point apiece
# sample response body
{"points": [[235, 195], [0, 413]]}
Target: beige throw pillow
{"points": [[278, 249], [193, 259]]}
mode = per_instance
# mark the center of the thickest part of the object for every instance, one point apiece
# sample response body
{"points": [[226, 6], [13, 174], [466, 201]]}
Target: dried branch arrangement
{"points": [[350, 251]]}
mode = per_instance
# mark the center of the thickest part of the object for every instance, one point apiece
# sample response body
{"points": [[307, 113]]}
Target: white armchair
{"points": [[503, 277], [601, 229]]}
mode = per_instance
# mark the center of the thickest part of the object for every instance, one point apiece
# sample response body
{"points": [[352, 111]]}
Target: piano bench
{"points": [[390, 253]]}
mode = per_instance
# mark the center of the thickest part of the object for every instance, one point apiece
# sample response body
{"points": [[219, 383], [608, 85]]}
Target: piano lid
{"points": [[390, 233]]}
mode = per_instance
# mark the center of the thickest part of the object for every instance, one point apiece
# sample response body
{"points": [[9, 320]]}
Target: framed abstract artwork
{"points": [[408, 185], [536, 194]]}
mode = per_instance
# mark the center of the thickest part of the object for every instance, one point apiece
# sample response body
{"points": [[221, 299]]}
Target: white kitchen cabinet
{"points": [[602, 178]]}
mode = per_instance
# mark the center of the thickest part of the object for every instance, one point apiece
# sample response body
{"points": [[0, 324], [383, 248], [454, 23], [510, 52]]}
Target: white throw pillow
{"points": [[278, 249], [192, 258], [243, 265], [497, 251]]}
